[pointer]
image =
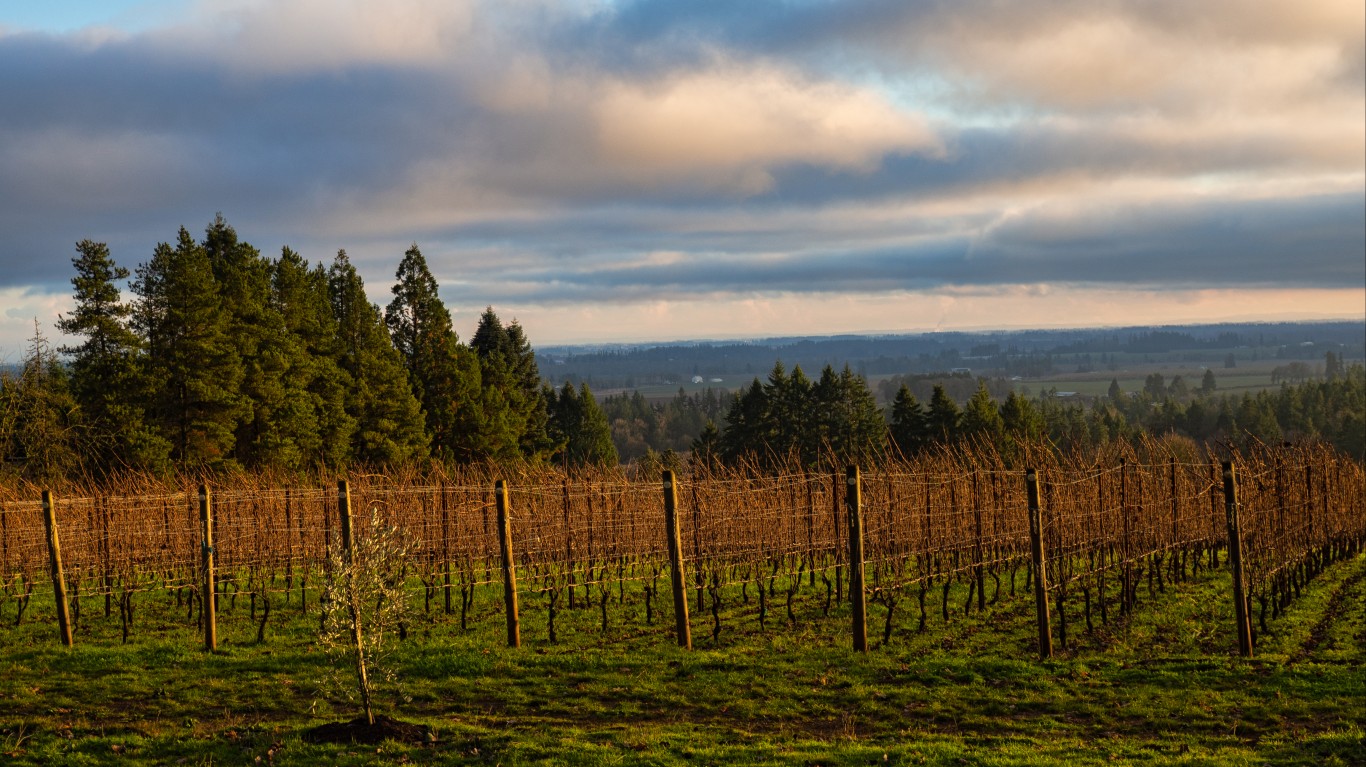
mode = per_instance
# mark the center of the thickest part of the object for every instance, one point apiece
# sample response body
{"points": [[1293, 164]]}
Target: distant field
{"points": [[1249, 376]]}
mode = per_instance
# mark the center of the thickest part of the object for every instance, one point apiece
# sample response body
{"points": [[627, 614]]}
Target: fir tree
{"points": [[706, 447], [106, 378], [43, 419], [444, 374], [1021, 419], [1207, 383], [282, 427], [745, 435], [910, 431], [195, 370], [580, 426], [508, 364], [299, 296], [378, 398], [851, 425], [981, 420], [943, 416]]}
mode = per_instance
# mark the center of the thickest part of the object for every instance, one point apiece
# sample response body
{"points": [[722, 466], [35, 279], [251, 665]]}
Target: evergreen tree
{"points": [[195, 371], [706, 448], [745, 435], [508, 364], [1022, 422], [790, 423], [443, 373], [1115, 394], [314, 420], [1332, 366], [388, 418], [282, 426], [41, 417], [1155, 386], [910, 429], [1177, 389], [1207, 383], [580, 426], [943, 416], [851, 422], [106, 379], [981, 420]]}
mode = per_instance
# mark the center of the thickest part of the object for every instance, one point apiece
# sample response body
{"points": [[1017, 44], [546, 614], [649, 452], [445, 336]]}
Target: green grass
{"points": [[1164, 687]]}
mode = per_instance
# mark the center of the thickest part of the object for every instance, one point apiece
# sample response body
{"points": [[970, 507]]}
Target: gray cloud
{"points": [[664, 148], [1300, 243]]}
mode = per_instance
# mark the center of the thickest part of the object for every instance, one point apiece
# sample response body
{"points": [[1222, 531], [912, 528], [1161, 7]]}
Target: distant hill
{"points": [[993, 353]]}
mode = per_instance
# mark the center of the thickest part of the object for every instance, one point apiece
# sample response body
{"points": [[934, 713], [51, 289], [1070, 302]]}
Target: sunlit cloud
{"points": [[582, 160]]}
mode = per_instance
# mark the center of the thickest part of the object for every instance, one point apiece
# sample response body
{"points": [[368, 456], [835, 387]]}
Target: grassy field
{"points": [[1164, 687]]}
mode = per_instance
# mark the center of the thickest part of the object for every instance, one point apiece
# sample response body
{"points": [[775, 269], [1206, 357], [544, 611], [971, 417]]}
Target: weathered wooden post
{"points": [[1235, 558], [853, 500], [1040, 576], [500, 492], [676, 576], [54, 551], [209, 609]]}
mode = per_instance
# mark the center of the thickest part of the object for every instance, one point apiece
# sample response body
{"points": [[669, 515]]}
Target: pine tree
{"points": [[299, 296], [281, 427], [1207, 383], [508, 364], [706, 448], [943, 416], [389, 427], [106, 378], [745, 435], [581, 427], [195, 370], [1021, 419], [851, 423], [910, 426], [444, 374], [44, 428], [981, 420]]}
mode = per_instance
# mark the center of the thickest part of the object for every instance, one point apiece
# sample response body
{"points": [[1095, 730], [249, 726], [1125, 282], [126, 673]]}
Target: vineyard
{"points": [[943, 535]]}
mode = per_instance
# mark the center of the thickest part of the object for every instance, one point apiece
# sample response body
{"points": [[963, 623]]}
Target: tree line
{"points": [[226, 358], [837, 418]]}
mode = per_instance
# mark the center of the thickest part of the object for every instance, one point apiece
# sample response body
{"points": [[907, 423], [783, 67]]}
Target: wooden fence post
{"points": [[54, 550], [500, 492], [209, 609], [853, 498], [676, 576], [1040, 577], [1235, 558]]}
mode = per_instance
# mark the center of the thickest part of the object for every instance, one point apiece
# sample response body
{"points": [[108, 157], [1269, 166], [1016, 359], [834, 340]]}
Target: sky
{"points": [[684, 169]]}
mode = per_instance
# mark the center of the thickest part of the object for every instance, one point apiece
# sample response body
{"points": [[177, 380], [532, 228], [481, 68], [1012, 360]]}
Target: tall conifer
{"points": [[195, 370], [443, 373], [388, 417], [106, 379]]}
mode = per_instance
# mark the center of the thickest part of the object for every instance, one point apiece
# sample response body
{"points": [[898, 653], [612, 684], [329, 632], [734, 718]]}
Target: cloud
{"points": [[555, 151]]}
